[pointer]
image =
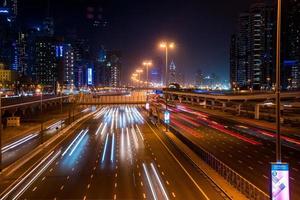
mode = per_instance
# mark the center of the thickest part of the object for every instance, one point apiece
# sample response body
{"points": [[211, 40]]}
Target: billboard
{"points": [[90, 76], [280, 181]]}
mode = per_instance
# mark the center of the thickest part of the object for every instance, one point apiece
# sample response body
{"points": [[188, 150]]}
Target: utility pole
{"points": [[278, 61]]}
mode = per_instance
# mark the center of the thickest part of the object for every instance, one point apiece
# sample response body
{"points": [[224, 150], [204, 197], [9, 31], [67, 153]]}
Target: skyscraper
{"points": [[261, 44], [233, 63], [252, 50], [172, 73], [46, 68], [291, 45], [243, 71], [112, 69]]}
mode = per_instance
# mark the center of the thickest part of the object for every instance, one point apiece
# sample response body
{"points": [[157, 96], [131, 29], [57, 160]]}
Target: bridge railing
{"points": [[235, 179]]}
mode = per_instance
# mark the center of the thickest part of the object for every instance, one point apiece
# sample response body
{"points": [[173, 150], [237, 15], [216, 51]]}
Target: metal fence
{"points": [[231, 176]]}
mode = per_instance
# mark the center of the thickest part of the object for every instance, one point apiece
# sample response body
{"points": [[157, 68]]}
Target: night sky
{"points": [[201, 29]]}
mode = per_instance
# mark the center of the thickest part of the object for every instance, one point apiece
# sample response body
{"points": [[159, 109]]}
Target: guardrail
{"points": [[231, 176]]}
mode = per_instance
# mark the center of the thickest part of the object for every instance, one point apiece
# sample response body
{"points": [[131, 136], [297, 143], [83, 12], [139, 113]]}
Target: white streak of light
{"points": [[104, 127], [122, 142], [160, 184], [72, 143], [136, 144], [104, 151], [149, 181], [36, 176], [140, 133], [25, 177], [78, 142], [99, 128], [128, 144], [19, 142], [112, 148]]}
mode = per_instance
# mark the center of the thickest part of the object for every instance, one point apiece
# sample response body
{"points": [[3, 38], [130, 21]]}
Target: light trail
{"points": [[19, 142], [55, 124], [128, 144], [104, 151], [245, 139], [72, 143], [104, 127], [149, 182], [135, 140], [122, 142], [99, 128], [112, 122], [83, 134], [159, 181], [25, 177], [85, 110], [112, 148], [139, 131], [36, 176]]}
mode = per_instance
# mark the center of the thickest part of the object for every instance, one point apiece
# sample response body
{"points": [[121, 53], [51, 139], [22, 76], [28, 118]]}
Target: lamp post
{"points": [[277, 88], [139, 71], [147, 64], [166, 46], [40, 91]]}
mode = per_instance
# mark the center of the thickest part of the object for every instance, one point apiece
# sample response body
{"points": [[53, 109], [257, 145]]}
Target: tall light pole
{"points": [[139, 71], [166, 46], [40, 91], [277, 88], [147, 64]]}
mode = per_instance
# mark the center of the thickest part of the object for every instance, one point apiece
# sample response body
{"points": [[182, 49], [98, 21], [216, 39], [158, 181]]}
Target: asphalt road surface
{"points": [[247, 150], [116, 154]]}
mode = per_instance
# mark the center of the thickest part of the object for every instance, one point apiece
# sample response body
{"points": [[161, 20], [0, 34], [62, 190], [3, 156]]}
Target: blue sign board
{"points": [[280, 181]]}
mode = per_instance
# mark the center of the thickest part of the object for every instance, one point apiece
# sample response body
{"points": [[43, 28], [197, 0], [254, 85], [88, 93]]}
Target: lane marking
{"points": [[182, 167]]}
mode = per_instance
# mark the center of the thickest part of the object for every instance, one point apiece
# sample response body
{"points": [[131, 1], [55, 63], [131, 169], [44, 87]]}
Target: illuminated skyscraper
{"points": [[291, 45], [172, 73]]}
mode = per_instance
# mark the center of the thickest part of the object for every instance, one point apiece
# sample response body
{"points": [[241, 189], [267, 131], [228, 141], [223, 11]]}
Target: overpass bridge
{"points": [[238, 103], [135, 97]]}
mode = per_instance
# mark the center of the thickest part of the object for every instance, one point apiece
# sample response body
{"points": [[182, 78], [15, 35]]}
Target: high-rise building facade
{"points": [[46, 68], [113, 64], [243, 70], [291, 45], [233, 63], [252, 50], [172, 73], [261, 50]]}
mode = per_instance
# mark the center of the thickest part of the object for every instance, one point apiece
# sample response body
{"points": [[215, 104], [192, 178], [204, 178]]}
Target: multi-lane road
{"points": [[246, 149], [115, 154]]}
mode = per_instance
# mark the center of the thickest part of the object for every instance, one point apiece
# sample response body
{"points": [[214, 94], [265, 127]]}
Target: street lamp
{"points": [[39, 90], [166, 46], [147, 64], [139, 71], [277, 88]]}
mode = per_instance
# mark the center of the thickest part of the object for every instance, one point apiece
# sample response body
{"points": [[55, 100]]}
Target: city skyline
{"points": [[145, 24]]}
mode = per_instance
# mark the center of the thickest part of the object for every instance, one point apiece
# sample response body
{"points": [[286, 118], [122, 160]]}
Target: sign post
{"points": [[280, 181]]}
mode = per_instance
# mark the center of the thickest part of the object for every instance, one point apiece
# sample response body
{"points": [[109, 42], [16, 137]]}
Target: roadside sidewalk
{"points": [[253, 122]]}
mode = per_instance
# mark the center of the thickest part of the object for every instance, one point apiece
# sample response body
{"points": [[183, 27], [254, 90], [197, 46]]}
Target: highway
{"points": [[247, 150], [115, 154]]}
